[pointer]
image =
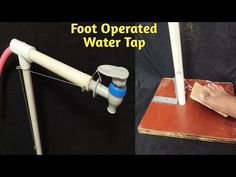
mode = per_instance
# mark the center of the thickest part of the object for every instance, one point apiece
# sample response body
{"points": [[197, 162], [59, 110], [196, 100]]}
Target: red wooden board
{"points": [[192, 120]]}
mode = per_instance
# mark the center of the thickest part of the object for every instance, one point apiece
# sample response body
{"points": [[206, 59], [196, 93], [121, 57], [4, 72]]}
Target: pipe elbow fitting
{"points": [[21, 48]]}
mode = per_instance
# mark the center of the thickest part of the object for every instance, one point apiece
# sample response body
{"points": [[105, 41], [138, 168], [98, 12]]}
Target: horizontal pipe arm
{"points": [[61, 69], [67, 72]]}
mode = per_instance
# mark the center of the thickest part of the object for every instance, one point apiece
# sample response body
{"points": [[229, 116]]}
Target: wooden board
{"points": [[191, 121], [196, 91]]}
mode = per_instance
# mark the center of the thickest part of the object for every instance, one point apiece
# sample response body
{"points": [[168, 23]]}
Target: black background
{"points": [[70, 122], [209, 52]]}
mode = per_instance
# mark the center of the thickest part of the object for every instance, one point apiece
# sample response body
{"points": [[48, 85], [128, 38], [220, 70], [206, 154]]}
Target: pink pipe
{"points": [[4, 58]]}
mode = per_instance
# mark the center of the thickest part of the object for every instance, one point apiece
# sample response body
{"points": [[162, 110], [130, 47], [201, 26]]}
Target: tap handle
{"points": [[118, 74]]}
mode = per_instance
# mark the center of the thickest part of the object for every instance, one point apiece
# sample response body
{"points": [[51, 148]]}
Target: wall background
{"points": [[70, 122]]}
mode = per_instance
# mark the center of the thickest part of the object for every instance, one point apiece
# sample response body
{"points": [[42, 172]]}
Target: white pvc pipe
{"points": [[177, 60], [71, 74], [31, 55], [25, 66], [28, 54]]}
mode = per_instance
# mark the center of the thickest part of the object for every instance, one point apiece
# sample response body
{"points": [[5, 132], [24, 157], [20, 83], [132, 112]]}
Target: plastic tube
{"points": [[67, 72], [177, 60], [4, 58], [25, 66], [71, 74]]}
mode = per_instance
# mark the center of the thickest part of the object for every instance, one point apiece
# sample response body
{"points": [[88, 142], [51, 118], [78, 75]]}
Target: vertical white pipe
{"points": [[177, 60], [25, 66]]}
